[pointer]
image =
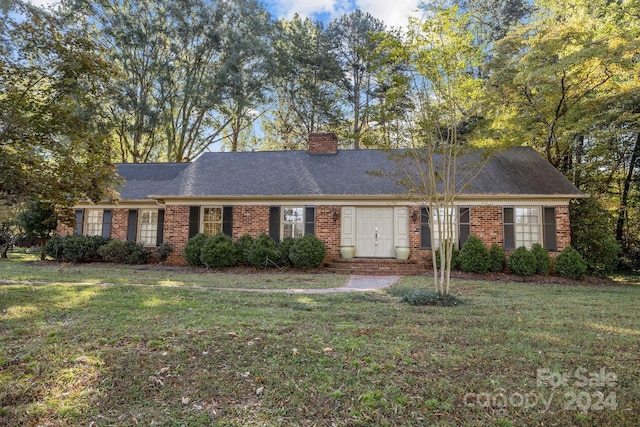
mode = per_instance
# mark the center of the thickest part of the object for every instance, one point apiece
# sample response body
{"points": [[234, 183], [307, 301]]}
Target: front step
{"points": [[375, 267]]}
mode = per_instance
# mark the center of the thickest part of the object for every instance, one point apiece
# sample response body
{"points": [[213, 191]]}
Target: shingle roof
{"points": [[518, 171]]}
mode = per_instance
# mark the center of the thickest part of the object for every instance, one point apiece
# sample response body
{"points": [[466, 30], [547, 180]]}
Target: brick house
{"points": [[517, 199]]}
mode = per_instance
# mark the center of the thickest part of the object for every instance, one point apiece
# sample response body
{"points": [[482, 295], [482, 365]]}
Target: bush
{"points": [[82, 248], [284, 248], [218, 251], [120, 252], [307, 252], [570, 263], [498, 258], [455, 261], [543, 260], [55, 247], [162, 251], [263, 252], [592, 237], [428, 297], [243, 245], [474, 256], [522, 262], [192, 250]]}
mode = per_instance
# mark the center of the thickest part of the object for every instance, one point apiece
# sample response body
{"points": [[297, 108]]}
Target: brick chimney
{"points": [[323, 143]]}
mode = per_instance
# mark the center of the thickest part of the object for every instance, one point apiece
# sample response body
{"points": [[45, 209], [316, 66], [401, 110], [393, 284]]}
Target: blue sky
{"points": [[394, 13]]}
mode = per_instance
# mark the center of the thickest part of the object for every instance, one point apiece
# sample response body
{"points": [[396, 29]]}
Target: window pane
{"points": [[148, 229], [527, 226], [94, 222], [211, 221], [444, 225], [292, 222]]}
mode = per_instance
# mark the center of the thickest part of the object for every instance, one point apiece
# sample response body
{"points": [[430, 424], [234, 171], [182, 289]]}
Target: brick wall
{"points": [[563, 227], [486, 223], [176, 232], [119, 223], [251, 220], [328, 230]]}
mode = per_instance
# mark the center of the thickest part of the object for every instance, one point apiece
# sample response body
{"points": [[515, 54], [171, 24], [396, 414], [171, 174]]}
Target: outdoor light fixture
{"points": [[414, 216], [335, 215]]}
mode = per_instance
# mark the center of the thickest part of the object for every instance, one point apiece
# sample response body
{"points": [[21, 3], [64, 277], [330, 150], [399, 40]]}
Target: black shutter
{"points": [[106, 223], [464, 226], [425, 229], [508, 226], [274, 223], [160, 234], [227, 220], [194, 220], [309, 220], [79, 221], [549, 230], [132, 225]]}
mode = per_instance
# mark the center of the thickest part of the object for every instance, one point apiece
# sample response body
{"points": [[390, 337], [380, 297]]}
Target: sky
{"points": [[393, 13]]}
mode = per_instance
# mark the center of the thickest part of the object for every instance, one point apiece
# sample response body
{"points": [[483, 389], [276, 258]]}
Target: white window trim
{"points": [[85, 226], [202, 209], [282, 221], [139, 228], [435, 229], [528, 243]]}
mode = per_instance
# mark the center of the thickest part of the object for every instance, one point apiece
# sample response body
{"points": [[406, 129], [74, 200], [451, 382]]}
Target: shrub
{"points": [[591, 236], [55, 247], [455, 259], [284, 248], [243, 244], [474, 256], [498, 258], [82, 248], [218, 251], [522, 262], [162, 251], [543, 260], [307, 252], [192, 249], [428, 297], [120, 252], [570, 263], [263, 252]]}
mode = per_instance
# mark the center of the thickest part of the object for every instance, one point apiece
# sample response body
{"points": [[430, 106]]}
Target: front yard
{"points": [[109, 346]]}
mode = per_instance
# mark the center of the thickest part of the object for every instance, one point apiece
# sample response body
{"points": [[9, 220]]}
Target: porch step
{"points": [[376, 267]]}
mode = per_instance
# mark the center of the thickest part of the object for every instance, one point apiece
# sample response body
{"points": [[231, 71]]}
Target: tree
{"points": [[306, 84], [39, 220], [438, 165], [10, 230], [353, 38], [190, 70], [54, 143]]}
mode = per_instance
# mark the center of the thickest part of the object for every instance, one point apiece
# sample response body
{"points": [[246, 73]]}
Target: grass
{"points": [[76, 353]]}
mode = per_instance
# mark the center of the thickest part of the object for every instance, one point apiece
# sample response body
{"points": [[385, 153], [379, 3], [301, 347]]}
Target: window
{"points": [[521, 227], [292, 222], [148, 227], [93, 222], [445, 226], [211, 220]]}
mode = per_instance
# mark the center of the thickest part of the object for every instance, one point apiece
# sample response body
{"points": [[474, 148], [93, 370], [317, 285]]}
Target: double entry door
{"points": [[374, 232]]}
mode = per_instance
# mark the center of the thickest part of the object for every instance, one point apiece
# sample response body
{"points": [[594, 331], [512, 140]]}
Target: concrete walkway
{"points": [[354, 284]]}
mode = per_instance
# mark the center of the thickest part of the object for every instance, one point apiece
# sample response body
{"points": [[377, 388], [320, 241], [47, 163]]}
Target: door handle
{"points": [[376, 236]]}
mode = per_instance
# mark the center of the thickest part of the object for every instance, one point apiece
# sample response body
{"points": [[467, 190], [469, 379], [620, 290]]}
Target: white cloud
{"points": [[43, 3], [394, 13]]}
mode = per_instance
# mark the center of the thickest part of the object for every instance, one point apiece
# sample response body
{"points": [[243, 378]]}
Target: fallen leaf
{"points": [[259, 390]]}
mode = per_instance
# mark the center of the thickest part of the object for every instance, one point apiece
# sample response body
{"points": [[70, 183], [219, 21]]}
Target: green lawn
{"points": [[73, 352]]}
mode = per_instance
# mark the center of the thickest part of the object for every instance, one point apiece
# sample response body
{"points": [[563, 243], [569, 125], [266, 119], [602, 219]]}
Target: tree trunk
{"points": [[3, 251], [622, 210], [43, 256]]}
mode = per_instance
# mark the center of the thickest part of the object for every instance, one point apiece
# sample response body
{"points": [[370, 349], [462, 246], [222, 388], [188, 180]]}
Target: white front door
{"points": [[374, 232]]}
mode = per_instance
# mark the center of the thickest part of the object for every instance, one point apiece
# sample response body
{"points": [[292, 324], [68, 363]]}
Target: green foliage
{"points": [[263, 252], [522, 262], [428, 297], [218, 251], [498, 258], [455, 259], [543, 260], [39, 220], [162, 251], [474, 256], [307, 252], [193, 248], [76, 248], [119, 252], [243, 244], [284, 248], [570, 263], [591, 235]]}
